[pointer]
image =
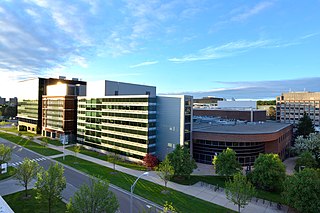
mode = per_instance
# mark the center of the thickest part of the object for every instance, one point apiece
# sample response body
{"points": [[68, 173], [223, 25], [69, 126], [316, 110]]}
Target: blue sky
{"points": [[242, 49]]}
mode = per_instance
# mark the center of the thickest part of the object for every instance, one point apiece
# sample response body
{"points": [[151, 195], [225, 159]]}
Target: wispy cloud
{"points": [[146, 63], [222, 51], [258, 89], [247, 13]]}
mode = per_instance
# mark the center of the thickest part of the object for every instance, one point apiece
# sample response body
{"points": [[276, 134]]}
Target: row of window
{"points": [[101, 100], [128, 115], [97, 146]]}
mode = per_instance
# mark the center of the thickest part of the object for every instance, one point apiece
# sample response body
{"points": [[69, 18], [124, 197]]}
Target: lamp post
{"points": [[132, 188]]}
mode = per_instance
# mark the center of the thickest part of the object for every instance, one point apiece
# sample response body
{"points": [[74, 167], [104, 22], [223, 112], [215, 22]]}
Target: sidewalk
{"points": [[196, 190]]}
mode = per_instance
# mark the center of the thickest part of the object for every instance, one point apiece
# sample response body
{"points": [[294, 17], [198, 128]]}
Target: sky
{"points": [[236, 48]]}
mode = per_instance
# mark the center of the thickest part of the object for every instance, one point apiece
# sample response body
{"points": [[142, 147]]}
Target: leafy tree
{"points": [[302, 190], [50, 184], [168, 208], [239, 190], [93, 198], [226, 163], [269, 172], [307, 160], [165, 171], [26, 172], [44, 142], [5, 153], [182, 161], [113, 157], [311, 144], [76, 150], [150, 161], [269, 102], [272, 113], [305, 126]]}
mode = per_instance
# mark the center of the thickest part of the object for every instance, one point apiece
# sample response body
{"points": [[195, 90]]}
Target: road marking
{"points": [[15, 164]]}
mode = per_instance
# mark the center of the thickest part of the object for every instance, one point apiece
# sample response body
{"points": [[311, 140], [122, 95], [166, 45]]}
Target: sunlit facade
{"points": [[122, 124]]}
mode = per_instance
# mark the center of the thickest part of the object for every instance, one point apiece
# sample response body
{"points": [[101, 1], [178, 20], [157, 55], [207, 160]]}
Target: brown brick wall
{"points": [[232, 114], [274, 142]]}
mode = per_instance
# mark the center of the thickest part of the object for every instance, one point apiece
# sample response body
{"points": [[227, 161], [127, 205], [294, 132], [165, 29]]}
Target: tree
{"points": [[93, 198], [115, 156], [165, 171], [226, 163], [182, 161], [302, 190], [311, 144], [26, 172], [76, 149], [50, 184], [239, 190], [307, 160], [305, 126], [5, 153], [44, 142], [168, 207], [269, 172], [150, 161], [272, 113]]}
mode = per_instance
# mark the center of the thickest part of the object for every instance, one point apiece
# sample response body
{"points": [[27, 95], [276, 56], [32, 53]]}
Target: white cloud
{"points": [[146, 63], [222, 51], [252, 11]]}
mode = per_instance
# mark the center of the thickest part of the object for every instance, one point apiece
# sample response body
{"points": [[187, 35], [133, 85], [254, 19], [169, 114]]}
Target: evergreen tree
{"points": [[305, 126]]}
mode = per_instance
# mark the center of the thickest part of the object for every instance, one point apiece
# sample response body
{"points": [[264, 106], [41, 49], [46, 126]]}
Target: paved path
{"points": [[290, 163], [196, 190]]}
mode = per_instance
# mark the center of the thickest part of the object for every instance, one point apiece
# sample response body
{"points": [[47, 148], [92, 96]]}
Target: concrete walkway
{"points": [[201, 191]]}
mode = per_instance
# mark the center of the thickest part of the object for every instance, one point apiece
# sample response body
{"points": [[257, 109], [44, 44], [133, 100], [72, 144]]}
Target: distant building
{"points": [[2, 101], [211, 136], [206, 102], [250, 115], [291, 107], [13, 101], [237, 110]]}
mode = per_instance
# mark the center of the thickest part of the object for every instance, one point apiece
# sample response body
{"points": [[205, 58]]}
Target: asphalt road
{"points": [[75, 179]]}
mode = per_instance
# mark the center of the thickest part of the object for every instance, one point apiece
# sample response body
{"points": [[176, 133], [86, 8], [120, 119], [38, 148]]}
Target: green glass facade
{"points": [[122, 124]]}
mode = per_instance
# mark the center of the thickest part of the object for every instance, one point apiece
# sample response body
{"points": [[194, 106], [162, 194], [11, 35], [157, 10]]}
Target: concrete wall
{"points": [[128, 89], [168, 124], [237, 104]]}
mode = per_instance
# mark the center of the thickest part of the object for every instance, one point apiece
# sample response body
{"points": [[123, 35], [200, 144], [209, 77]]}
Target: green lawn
{"points": [[109, 158], [220, 181], [29, 144], [151, 191], [15, 130], [19, 203], [54, 142], [11, 172]]}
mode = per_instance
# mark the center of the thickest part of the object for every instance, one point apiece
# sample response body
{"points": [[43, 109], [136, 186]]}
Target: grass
{"points": [[109, 158], [220, 181], [11, 171], [54, 142], [151, 191], [29, 144], [19, 203], [3, 123], [15, 130]]}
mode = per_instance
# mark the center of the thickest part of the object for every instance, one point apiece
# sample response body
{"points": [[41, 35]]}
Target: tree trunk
{"points": [[239, 208], [165, 184], [26, 189], [49, 202]]}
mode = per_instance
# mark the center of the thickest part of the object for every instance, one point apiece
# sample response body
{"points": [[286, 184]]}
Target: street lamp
{"points": [[132, 188]]}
